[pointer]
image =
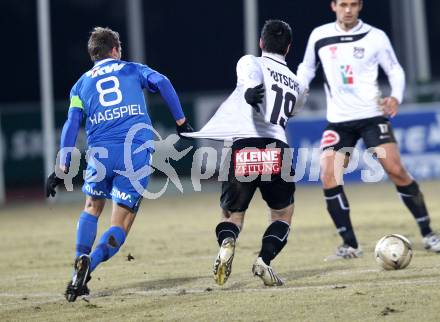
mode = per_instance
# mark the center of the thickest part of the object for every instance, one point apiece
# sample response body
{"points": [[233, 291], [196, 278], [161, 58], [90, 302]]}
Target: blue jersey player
{"points": [[110, 98]]}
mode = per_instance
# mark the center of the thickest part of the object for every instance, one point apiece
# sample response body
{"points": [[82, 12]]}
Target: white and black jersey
{"points": [[237, 119], [350, 61]]}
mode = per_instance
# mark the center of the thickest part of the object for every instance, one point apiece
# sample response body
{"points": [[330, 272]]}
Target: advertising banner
{"points": [[417, 132]]}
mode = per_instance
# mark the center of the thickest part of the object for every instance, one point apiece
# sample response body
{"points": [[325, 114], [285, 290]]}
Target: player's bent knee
{"points": [[123, 216], [94, 206], [236, 218], [284, 214], [328, 178], [226, 214]]}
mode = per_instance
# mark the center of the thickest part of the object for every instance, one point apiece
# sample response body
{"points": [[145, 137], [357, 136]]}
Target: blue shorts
{"points": [[107, 177]]}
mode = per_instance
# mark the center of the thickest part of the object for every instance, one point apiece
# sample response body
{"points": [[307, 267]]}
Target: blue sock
{"points": [[85, 233], [108, 246]]}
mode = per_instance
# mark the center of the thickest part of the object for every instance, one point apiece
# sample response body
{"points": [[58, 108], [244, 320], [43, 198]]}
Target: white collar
{"points": [[100, 62], [277, 57], [357, 27]]}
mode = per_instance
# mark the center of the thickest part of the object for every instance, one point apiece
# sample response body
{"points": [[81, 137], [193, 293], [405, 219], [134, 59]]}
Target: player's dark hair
{"points": [[101, 42], [336, 1], [276, 36]]}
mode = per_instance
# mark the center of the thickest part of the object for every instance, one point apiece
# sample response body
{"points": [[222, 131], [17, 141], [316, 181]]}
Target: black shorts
{"points": [[236, 194], [374, 131]]}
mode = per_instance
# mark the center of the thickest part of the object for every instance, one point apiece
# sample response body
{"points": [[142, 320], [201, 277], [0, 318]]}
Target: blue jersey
{"points": [[112, 100], [111, 97]]}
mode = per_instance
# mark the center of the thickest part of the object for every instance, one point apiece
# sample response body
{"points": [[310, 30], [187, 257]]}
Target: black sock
{"points": [[226, 229], [413, 199], [339, 210], [274, 239]]}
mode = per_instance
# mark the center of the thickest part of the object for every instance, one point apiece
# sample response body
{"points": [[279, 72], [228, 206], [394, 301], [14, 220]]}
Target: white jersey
{"points": [[350, 62], [237, 119]]}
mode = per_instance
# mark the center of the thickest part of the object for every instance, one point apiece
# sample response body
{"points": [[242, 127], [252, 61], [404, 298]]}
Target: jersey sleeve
{"points": [[75, 99], [163, 85], [145, 72], [307, 69], [155, 82], [72, 124], [249, 72], [389, 63], [70, 133]]}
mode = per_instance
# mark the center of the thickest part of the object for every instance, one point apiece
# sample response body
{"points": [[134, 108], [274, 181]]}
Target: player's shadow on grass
{"points": [[290, 277], [149, 285]]}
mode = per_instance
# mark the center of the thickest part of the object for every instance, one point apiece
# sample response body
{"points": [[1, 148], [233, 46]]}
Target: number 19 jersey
{"points": [[283, 95], [112, 100], [282, 89]]}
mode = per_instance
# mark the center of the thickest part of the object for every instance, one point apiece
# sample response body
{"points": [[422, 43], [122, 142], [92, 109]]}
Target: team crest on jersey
{"points": [[329, 138], [333, 50], [347, 74], [358, 52]]}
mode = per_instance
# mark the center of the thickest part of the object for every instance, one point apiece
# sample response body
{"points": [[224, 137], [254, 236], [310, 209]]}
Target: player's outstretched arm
{"points": [[162, 84], [183, 126]]}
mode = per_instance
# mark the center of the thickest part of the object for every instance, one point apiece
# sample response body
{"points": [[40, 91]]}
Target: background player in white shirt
{"points": [[254, 117], [349, 52]]}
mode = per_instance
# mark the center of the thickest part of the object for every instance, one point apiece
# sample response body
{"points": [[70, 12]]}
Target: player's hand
{"points": [[389, 106], [185, 127], [254, 96], [52, 182]]}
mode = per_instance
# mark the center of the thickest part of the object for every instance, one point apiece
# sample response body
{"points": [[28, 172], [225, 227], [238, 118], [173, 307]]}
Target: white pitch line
{"points": [[29, 295], [49, 300], [184, 291], [351, 272]]}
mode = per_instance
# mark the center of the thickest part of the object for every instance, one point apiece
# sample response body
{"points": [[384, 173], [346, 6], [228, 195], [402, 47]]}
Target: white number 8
{"points": [[115, 89]]}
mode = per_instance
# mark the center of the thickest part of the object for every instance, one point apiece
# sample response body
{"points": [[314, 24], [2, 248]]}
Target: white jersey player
{"points": [[254, 116], [281, 96], [350, 62], [350, 52]]}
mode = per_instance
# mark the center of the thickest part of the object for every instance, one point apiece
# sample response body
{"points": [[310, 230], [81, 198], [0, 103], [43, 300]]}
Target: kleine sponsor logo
{"points": [[257, 161]]}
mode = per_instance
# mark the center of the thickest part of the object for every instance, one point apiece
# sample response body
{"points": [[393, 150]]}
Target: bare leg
{"points": [[408, 189]]}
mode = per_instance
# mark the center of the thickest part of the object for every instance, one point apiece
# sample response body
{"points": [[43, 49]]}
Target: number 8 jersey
{"points": [[112, 100], [283, 95]]}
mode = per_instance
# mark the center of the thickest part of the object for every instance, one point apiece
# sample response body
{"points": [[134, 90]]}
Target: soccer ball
{"points": [[393, 252]]}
